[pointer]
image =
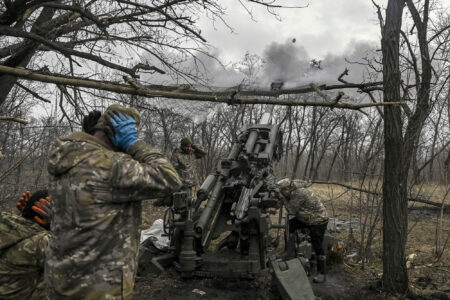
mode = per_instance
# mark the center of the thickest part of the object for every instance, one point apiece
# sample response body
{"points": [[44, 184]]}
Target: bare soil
{"points": [[340, 284]]}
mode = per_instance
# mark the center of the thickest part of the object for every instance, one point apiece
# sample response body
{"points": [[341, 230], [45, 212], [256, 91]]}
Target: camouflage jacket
{"points": [[185, 164], [306, 206], [96, 195], [22, 253]]}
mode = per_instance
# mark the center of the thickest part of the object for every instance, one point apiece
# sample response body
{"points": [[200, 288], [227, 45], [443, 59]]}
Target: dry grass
{"points": [[427, 274]]}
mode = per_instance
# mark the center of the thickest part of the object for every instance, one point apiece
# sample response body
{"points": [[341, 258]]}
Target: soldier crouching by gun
{"points": [[305, 210]]}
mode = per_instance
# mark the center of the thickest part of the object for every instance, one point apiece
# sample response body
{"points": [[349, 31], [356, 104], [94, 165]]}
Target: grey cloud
{"points": [[285, 62], [290, 63]]}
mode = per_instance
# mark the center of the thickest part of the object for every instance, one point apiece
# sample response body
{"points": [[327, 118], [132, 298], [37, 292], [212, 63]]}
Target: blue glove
{"points": [[125, 132]]}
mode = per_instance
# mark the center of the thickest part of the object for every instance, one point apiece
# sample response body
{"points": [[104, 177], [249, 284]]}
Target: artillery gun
{"points": [[232, 206]]}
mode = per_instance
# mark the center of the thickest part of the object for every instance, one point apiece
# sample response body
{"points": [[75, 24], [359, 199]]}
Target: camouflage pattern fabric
{"points": [[185, 164], [22, 253], [307, 208], [97, 214]]}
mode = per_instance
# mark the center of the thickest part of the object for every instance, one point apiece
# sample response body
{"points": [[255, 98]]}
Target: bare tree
{"points": [[401, 142]]}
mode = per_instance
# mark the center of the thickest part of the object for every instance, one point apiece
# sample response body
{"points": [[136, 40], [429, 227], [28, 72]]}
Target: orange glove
{"points": [[24, 198], [44, 211]]}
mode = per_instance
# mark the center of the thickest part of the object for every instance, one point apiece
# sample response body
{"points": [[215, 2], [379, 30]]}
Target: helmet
{"points": [[285, 182], [294, 183]]}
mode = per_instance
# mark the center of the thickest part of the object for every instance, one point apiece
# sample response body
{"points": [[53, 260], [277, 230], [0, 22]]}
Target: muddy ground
{"points": [[339, 285]]}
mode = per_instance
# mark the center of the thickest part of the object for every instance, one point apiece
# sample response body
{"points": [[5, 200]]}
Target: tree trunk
{"points": [[395, 222]]}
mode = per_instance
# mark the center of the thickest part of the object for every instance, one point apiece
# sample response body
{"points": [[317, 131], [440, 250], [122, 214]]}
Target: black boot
{"points": [[321, 269], [289, 248]]}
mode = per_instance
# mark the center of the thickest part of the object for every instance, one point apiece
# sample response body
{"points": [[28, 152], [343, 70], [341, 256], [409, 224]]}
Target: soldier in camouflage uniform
{"points": [[98, 182], [183, 159], [305, 210], [22, 251]]}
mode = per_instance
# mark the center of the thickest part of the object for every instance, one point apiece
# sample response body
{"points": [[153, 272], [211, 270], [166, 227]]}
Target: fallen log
{"points": [[412, 199]]}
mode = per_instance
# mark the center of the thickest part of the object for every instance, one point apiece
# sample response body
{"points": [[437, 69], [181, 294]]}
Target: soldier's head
{"points": [[29, 213], [90, 121], [104, 125], [285, 186], [186, 144]]}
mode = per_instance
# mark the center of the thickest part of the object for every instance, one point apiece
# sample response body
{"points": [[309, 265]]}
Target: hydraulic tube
{"points": [[209, 208], [206, 188], [234, 151]]}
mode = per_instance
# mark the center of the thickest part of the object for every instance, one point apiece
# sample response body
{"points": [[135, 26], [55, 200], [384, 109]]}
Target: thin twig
{"points": [[17, 164], [34, 94]]}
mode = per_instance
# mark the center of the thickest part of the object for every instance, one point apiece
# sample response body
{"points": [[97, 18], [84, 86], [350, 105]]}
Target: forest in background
{"points": [[323, 142]]}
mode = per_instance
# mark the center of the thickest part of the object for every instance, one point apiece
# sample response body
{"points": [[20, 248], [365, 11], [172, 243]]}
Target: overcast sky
{"points": [[328, 30], [325, 26]]}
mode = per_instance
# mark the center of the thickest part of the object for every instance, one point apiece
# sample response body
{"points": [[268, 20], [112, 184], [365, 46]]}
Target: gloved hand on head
{"points": [[24, 198], [125, 131], [43, 210]]}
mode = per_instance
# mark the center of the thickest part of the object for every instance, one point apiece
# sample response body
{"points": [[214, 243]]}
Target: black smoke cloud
{"points": [[285, 62], [291, 63]]}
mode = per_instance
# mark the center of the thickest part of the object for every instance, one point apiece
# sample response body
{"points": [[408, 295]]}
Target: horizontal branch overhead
{"points": [[230, 97], [13, 119]]}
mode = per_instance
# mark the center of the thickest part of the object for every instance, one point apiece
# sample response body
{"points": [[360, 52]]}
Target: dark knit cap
{"points": [[186, 141]]}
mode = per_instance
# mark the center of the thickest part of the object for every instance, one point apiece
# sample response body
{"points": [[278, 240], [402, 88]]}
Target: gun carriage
{"points": [[232, 206]]}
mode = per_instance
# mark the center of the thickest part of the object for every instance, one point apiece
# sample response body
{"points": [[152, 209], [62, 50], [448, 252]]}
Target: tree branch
{"points": [[433, 157], [13, 119], [34, 94], [182, 95], [8, 31]]}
